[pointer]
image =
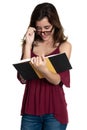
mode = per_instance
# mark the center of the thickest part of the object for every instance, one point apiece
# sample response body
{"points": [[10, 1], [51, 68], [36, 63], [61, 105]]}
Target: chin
{"points": [[45, 38]]}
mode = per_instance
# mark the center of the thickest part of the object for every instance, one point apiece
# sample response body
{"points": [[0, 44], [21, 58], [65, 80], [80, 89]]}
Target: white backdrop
{"points": [[14, 19]]}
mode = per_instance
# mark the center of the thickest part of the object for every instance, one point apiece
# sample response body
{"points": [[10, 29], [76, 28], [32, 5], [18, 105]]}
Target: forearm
{"points": [[39, 63], [53, 78], [27, 51], [29, 37]]}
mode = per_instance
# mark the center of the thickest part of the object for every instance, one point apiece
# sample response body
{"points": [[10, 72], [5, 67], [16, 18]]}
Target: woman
{"points": [[44, 106]]}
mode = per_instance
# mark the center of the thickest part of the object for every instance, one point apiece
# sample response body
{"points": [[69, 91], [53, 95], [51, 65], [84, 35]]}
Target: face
{"points": [[44, 29]]}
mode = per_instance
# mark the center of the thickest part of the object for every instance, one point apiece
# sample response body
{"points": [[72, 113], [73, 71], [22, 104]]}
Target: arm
{"points": [[66, 47], [29, 38], [26, 52], [55, 78], [40, 64]]}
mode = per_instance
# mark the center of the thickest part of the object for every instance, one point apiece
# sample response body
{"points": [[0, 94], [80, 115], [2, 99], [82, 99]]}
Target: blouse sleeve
{"points": [[20, 78], [65, 78]]}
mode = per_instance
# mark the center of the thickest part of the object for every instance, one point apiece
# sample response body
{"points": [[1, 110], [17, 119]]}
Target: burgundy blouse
{"points": [[42, 97]]}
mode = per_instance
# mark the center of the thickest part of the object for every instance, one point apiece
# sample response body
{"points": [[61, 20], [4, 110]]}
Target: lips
{"points": [[43, 36]]}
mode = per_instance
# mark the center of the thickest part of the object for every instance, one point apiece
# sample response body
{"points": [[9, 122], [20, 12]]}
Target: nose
{"points": [[42, 30], [42, 33]]}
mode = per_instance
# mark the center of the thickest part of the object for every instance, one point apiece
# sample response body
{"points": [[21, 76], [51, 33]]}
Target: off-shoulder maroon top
{"points": [[42, 97]]}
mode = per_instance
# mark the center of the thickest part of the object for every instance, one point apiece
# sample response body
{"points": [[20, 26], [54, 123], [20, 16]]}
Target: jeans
{"points": [[44, 122]]}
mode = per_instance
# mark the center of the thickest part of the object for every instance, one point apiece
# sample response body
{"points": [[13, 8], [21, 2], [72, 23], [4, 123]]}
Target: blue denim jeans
{"points": [[44, 122]]}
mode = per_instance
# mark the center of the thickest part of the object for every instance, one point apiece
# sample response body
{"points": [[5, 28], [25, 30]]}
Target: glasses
{"points": [[45, 32]]}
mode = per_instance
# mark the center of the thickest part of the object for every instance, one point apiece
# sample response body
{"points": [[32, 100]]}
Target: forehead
{"points": [[43, 22]]}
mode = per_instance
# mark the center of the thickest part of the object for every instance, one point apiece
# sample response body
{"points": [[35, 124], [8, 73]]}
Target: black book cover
{"points": [[58, 63]]}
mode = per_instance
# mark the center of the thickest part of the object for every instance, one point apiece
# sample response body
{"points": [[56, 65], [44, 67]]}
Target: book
{"points": [[56, 63]]}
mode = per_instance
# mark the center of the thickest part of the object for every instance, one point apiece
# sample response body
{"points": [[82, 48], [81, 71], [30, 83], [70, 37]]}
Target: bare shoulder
{"points": [[66, 47]]}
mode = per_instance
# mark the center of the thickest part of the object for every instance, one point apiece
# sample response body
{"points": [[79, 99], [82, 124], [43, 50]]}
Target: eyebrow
{"points": [[43, 26]]}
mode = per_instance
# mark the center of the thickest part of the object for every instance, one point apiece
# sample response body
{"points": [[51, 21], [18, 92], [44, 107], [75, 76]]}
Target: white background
{"points": [[14, 19]]}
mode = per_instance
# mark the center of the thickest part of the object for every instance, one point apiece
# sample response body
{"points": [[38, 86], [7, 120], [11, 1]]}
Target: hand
{"points": [[39, 63], [29, 36]]}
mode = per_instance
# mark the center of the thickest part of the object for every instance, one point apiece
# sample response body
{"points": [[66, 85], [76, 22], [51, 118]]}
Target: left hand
{"points": [[39, 63]]}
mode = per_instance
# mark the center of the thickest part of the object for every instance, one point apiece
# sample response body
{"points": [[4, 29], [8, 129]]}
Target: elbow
{"points": [[57, 81]]}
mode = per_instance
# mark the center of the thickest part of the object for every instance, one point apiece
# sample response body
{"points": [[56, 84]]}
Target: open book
{"points": [[56, 63]]}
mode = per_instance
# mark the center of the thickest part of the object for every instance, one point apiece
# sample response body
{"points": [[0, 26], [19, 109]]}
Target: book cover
{"points": [[56, 63]]}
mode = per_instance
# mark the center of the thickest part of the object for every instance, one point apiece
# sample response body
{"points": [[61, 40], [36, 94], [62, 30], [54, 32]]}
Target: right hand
{"points": [[29, 36]]}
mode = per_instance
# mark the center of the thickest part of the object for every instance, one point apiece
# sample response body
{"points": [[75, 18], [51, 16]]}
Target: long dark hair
{"points": [[48, 10]]}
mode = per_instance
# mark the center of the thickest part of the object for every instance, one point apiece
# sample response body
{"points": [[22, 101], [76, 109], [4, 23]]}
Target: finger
{"points": [[37, 60], [33, 60], [43, 57], [40, 60], [31, 30]]}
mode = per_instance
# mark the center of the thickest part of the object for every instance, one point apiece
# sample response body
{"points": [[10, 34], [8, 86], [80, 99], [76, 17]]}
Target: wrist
{"points": [[28, 45]]}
